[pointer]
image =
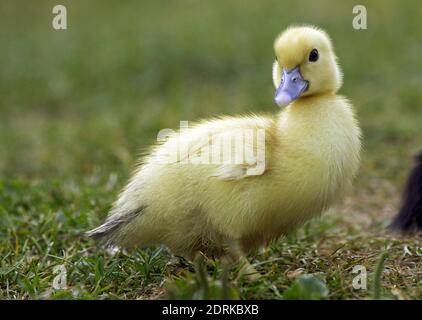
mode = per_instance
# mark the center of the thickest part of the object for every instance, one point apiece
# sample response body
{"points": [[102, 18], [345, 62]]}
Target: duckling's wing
{"points": [[249, 160], [236, 172], [240, 147]]}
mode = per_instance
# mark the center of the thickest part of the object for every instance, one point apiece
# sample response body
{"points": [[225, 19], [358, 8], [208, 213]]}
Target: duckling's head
{"points": [[305, 64]]}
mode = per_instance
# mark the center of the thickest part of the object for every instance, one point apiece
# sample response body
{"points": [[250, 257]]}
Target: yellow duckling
{"points": [[190, 198]]}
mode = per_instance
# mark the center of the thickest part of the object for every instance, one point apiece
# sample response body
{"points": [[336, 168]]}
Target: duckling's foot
{"points": [[248, 271], [236, 256]]}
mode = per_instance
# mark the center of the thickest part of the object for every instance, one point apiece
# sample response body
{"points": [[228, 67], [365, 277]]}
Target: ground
{"points": [[78, 106]]}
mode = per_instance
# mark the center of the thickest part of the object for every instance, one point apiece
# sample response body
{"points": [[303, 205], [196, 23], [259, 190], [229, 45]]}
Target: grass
{"points": [[77, 106]]}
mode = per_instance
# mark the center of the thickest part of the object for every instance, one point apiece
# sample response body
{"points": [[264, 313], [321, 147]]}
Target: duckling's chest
{"points": [[319, 151]]}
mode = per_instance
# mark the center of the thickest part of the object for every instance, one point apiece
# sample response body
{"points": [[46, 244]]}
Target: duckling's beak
{"points": [[291, 87]]}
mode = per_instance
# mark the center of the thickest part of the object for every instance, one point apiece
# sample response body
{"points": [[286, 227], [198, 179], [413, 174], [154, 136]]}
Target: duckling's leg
{"points": [[234, 256]]}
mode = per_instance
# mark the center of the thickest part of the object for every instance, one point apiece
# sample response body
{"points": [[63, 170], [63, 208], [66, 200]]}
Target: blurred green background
{"points": [[78, 106], [84, 100]]}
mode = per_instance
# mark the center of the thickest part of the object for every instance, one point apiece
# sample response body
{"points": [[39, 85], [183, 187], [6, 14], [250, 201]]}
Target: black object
{"points": [[409, 217], [313, 56]]}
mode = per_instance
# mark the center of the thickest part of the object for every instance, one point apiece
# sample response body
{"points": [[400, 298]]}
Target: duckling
{"points": [[300, 161]]}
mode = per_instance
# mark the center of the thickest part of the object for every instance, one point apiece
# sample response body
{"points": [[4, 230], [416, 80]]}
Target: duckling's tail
{"points": [[409, 217], [110, 232]]}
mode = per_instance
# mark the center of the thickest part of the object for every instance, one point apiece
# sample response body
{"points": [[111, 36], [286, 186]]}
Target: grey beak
{"points": [[291, 87]]}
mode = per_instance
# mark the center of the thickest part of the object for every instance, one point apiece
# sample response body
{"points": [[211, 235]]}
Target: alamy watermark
{"points": [[234, 146], [59, 21], [60, 279], [359, 282], [360, 21], [411, 251]]}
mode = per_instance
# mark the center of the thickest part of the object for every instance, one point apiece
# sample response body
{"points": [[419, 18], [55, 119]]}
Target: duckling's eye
{"points": [[313, 56]]}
